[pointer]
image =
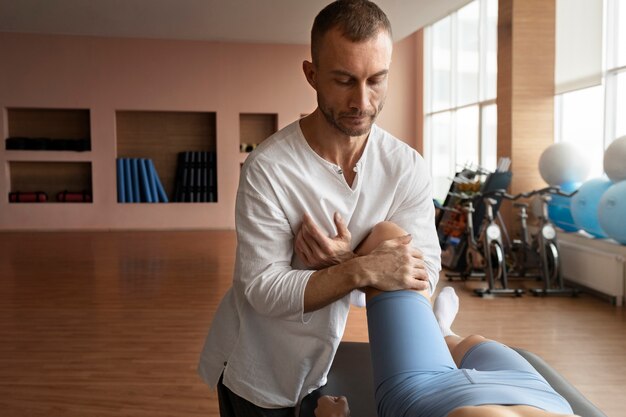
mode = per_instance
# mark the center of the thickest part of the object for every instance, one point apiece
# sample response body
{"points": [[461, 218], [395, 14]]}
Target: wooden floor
{"points": [[111, 324]]}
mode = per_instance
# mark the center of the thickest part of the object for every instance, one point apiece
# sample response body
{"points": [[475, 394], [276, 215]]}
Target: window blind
{"points": [[578, 44]]}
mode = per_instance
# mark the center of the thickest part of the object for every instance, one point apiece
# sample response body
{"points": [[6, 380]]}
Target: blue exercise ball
{"points": [[569, 187], [612, 212], [584, 206], [559, 209]]}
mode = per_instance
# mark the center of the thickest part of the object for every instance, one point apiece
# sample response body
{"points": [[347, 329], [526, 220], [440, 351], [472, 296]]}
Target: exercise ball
{"points": [[562, 163], [559, 209], [615, 160], [584, 205], [612, 212]]}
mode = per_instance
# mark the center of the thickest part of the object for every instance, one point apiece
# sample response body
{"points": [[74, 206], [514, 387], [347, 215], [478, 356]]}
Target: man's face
{"points": [[351, 80]]}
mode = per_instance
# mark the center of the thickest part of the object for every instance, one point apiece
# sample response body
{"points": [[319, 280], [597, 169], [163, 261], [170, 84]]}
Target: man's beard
{"points": [[335, 120]]}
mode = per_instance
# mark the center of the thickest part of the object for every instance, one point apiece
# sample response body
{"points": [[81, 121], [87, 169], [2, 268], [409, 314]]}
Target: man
{"points": [[333, 173]]}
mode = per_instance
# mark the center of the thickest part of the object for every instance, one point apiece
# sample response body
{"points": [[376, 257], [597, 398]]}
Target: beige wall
{"points": [[105, 75], [399, 115]]}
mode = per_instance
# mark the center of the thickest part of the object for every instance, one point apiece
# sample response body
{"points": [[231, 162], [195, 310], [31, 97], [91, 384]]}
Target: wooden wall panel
{"points": [[525, 88], [49, 123]]}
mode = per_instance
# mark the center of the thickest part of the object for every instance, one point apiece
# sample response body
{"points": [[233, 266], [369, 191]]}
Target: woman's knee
{"points": [[461, 349], [380, 232], [387, 230]]}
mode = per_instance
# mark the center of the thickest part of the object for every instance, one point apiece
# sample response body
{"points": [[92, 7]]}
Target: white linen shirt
{"points": [[269, 351]]}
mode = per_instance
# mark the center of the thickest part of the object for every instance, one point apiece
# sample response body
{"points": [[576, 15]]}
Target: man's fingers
{"points": [[420, 274], [313, 231], [418, 263], [419, 279], [326, 398], [416, 279], [342, 229], [298, 246], [401, 240], [420, 285], [303, 248], [416, 253], [342, 400]]}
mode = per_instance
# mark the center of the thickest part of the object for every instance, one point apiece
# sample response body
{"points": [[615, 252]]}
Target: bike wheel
{"points": [[554, 265], [497, 262]]}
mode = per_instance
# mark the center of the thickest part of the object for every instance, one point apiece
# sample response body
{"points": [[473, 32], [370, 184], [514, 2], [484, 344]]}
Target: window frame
{"points": [[610, 72], [481, 92]]}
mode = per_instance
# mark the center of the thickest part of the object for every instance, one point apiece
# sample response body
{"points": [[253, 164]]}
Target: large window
{"points": [[460, 92], [593, 117], [580, 120], [620, 108]]}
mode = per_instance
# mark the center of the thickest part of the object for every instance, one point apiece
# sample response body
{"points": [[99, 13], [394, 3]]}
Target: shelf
{"points": [[162, 135], [46, 170], [254, 128], [54, 156], [52, 124], [50, 177]]}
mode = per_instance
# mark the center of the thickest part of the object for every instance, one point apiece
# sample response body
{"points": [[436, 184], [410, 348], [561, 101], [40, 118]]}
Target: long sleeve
{"points": [[263, 270], [416, 215]]}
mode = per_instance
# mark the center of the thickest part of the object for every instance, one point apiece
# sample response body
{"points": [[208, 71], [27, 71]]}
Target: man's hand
{"points": [[396, 265], [318, 251], [328, 406]]}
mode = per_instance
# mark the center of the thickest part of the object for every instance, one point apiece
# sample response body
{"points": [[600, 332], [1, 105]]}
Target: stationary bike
{"points": [[523, 257], [539, 252], [485, 253]]}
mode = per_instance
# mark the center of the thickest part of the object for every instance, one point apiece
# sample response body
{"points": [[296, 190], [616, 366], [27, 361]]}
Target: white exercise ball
{"points": [[615, 160], [562, 163]]}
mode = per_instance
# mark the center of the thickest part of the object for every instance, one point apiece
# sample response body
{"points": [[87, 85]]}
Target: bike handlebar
{"points": [[548, 190], [502, 193]]}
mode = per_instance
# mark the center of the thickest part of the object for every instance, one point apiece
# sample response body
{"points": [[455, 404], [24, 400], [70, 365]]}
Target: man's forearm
{"points": [[392, 265], [333, 283]]}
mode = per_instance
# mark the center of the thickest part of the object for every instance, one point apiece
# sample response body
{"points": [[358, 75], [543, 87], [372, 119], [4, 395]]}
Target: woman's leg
{"points": [[448, 301], [457, 345], [402, 328], [379, 233], [475, 351], [406, 345]]}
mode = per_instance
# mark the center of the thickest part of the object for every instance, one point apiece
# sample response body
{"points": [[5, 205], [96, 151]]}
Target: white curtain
{"points": [[578, 44]]}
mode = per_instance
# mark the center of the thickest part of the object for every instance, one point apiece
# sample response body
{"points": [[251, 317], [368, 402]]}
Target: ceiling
{"points": [[258, 21]]}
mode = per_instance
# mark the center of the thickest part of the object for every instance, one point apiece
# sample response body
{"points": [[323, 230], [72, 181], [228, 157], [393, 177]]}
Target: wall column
{"points": [[526, 45]]}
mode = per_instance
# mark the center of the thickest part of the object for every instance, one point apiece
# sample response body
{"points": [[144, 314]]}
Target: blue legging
{"points": [[415, 375]]}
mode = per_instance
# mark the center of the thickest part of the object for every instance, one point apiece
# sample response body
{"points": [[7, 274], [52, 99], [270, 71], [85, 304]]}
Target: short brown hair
{"points": [[358, 20]]}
